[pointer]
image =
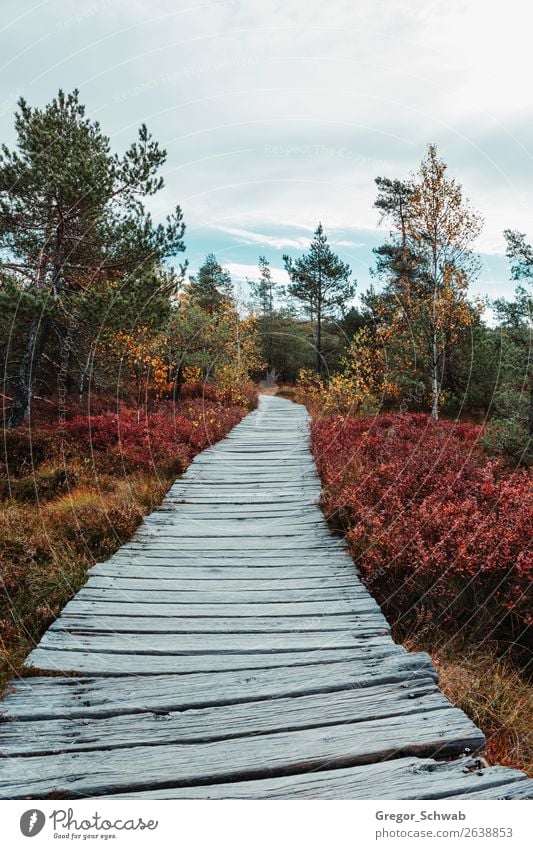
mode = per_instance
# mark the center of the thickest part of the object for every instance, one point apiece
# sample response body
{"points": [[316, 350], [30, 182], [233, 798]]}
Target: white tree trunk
{"points": [[434, 378]]}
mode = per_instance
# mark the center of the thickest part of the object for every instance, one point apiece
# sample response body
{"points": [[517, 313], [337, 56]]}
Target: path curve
{"points": [[229, 650]]}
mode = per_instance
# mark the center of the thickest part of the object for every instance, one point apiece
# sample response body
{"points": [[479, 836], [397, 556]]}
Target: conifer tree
{"points": [[320, 281], [263, 294], [211, 289], [426, 266]]}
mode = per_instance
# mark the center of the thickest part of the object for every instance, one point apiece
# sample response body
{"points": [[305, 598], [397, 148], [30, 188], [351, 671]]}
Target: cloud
{"points": [[277, 115], [242, 272], [248, 237]]}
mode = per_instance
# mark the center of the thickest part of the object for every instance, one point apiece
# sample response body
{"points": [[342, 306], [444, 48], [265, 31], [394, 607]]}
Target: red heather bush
{"points": [[162, 438], [435, 527], [142, 440]]}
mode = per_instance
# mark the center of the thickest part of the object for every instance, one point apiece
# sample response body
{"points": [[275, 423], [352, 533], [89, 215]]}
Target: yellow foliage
{"points": [[357, 388], [144, 356]]}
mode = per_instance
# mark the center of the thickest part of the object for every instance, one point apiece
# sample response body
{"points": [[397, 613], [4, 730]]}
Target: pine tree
{"points": [[517, 318], [211, 288], [72, 218], [320, 281], [263, 295]]}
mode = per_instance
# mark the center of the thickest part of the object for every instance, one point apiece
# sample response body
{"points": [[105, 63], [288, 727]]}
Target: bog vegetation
{"points": [[119, 364]]}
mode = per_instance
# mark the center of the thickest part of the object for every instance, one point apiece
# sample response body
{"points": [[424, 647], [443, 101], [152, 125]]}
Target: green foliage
{"points": [[320, 281], [509, 438], [263, 299], [511, 434], [211, 289], [77, 242], [425, 267]]}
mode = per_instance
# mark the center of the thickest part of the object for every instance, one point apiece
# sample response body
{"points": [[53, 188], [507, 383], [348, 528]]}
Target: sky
{"points": [[281, 113]]}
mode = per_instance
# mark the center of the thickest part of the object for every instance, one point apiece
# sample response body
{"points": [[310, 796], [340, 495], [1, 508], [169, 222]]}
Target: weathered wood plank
{"points": [[185, 521], [258, 574], [404, 778], [288, 559], [362, 623], [145, 608], [218, 723], [203, 643], [107, 663], [221, 584], [242, 544], [74, 774], [515, 790], [214, 598], [44, 698], [248, 536]]}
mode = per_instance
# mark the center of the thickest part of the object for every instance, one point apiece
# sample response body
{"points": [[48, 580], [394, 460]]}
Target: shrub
{"points": [[91, 523], [509, 438], [41, 486], [23, 449], [164, 440], [437, 529], [200, 389]]}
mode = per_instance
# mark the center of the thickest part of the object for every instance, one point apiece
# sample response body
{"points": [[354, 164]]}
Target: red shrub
{"points": [[199, 389], [434, 526], [167, 438]]}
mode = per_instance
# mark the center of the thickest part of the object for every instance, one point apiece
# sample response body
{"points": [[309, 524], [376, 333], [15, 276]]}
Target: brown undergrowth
{"points": [[492, 691], [46, 549]]}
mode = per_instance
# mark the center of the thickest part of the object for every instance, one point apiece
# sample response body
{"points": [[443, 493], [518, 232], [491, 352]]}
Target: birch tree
{"points": [[427, 265]]}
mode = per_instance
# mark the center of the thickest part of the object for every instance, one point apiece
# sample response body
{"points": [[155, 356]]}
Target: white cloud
{"points": [[243, 271], [250, 238], [278, 114]]}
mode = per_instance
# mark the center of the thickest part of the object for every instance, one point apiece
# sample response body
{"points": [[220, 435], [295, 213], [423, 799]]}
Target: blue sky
{"points": [[278, 114]]}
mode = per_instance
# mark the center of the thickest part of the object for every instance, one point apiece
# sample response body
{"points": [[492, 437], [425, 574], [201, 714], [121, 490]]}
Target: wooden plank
{"points": [[404, 778], [216, 584], [292, 559], [203, 643], [218, 723], [107, 663], [183, 519], [362, 623], [45, 698], [247, 546], [272, 533], [144, 608], [258, 574], [73, 774], [515, 790], [181, 508], [214, 597], [281, 479]]}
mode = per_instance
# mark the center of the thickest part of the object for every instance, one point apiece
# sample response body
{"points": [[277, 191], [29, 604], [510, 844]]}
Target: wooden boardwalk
{"points": [[229, 650]]}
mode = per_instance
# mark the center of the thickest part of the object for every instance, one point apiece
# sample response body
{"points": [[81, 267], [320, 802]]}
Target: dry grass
{"points": [[491, 690], [46, 549], [497, 698]]}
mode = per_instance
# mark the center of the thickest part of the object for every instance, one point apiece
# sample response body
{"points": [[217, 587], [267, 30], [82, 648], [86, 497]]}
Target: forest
{"points": [[119, 364]]}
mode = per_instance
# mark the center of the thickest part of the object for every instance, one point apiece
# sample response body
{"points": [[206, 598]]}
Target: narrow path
{"points": [[229, 650]]}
